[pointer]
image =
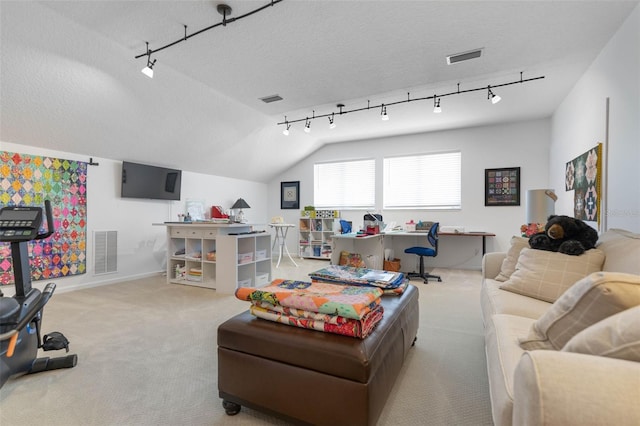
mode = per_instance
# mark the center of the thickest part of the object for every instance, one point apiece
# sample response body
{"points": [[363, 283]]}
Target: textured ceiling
{"points": [[70, 80]]}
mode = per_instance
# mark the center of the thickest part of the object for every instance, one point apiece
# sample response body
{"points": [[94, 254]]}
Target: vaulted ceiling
{"points": [[70, 81]]}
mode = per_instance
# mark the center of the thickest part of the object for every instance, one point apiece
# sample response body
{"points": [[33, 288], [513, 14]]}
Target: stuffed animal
{"points": [[566, 235]]}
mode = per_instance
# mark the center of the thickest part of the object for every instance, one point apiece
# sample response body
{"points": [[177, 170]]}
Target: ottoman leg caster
{"points": [[231, 408]]}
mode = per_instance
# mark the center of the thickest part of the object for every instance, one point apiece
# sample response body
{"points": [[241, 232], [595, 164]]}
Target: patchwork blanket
{"points": [[390, 282], [359, 328], [325, 298]]}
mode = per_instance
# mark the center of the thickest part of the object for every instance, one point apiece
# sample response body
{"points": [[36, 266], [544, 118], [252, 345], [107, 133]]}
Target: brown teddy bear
{"points": [[565, 234]]}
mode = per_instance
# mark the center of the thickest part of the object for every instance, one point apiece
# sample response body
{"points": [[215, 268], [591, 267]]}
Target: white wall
{"points": [[580, 123], [141, 245], [524, 144]]}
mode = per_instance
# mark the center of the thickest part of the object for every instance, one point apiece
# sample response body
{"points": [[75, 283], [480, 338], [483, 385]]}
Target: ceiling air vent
{"points": [[464, 56], [272, 98]]}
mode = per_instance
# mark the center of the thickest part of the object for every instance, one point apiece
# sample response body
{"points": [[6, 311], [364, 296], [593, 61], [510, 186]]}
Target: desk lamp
{"points": [[239, 205]]}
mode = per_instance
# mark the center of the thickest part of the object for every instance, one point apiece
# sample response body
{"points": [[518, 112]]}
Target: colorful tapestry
{"points": [[583, 175], [28, 180], [347, 301], [320, 322]]}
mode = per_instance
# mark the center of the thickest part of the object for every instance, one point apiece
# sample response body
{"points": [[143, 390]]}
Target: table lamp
{"points": [[540, 205], [239, 205]]}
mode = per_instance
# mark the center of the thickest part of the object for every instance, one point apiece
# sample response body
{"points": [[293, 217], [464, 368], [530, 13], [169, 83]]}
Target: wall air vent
{"points": [[272, 98], [105, 252], [464, 56]]}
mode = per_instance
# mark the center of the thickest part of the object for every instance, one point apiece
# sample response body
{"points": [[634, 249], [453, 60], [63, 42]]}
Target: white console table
{"points": [[217, 256]]}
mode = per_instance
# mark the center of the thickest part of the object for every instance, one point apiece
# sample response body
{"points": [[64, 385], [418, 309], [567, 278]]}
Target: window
{"points": [[343, 185], [429, 181]]}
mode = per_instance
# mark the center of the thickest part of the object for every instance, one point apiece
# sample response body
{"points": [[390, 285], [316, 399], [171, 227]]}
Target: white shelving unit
{"points": [[315, 236], [250, 256], [205, 255]]}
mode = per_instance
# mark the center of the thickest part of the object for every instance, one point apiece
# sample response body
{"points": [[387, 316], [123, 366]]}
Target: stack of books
{"points": [[194, 274]]}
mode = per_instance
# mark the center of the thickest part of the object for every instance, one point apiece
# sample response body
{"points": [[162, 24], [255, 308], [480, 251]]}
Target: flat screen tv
{"points": [[151, 182]]}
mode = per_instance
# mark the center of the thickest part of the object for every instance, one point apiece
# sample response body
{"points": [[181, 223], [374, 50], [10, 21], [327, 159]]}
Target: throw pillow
{"points": [[617, 336], [590, 300], [509, 262], [545, 275]]}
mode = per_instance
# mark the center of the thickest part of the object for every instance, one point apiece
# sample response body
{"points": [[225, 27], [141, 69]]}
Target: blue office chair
{"points": [[426, 251]]}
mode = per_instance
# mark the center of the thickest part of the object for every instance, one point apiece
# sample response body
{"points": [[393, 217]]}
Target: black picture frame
{"points": [[502, 186], [290, 195]]}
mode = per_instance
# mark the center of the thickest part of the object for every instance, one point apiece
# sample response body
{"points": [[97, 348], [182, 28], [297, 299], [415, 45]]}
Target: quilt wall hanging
{"points": [[583, 175], [27, 180]]}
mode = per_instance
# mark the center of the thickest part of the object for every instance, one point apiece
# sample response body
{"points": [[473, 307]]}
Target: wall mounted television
{"points": [[151, 182]]}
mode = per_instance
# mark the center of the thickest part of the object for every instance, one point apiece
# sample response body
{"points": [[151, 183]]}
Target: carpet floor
{"points": [[147, 356]]}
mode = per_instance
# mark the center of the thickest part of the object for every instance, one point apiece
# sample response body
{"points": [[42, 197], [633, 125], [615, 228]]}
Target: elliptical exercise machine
{"points": [[21, 315]]}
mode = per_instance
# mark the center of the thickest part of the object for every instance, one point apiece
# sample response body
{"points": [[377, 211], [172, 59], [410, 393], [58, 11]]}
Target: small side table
{"points": [[281, 240]]}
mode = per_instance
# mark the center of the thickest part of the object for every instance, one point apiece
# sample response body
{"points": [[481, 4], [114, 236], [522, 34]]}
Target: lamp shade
{"points": [[240, 204], [540, 205]]}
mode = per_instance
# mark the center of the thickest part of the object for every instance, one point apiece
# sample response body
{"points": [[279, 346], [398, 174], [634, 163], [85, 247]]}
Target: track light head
{"points": [[148, 70], [307, 127], [383, 113], [494, 98], [436, 107], [332, 125], [286, 130]]}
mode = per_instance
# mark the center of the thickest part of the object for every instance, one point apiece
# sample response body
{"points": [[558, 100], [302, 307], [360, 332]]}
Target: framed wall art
{"points": [[502, 187], [290, 195]]}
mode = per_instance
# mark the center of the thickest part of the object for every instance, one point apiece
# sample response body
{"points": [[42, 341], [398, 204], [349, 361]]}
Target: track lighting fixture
{"points": [[307, 126], [436, 105], [223, 9], [286, 130], [332, 125], [494, 98], [383, 113], [383, 107]]}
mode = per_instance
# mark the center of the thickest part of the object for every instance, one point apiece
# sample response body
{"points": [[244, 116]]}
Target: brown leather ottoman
{"points": [[308, 376]]}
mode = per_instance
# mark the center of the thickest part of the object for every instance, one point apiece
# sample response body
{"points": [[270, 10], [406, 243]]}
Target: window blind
{"points": [[431, 181], [346, 184]]}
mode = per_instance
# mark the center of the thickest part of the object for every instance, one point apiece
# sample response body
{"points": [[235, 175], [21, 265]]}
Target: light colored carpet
{"points": [[147, 356]]}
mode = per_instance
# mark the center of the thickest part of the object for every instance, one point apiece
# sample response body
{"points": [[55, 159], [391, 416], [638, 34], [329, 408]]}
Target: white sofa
{"points": [[559, 387]]}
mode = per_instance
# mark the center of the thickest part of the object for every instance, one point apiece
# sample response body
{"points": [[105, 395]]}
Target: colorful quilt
{"points": [[28, 180], [398, 291], [359, 276], [325, 298], [335, 324]]}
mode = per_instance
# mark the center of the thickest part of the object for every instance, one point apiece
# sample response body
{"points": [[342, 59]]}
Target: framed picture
{"points": [[290, 195], [502, 187]]}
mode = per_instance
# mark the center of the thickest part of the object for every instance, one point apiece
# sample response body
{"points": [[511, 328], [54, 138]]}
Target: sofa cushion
{"points": [[590, 300], [493, 301], [617, 336], [545, 275], [503, 355], [510, 261], [622, 249]]}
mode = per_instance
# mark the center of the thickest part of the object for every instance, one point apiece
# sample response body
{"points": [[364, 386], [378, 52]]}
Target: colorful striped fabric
{"points": [[326, 298]]}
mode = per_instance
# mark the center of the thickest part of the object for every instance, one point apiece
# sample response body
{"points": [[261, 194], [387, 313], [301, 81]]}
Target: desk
{"points": [[281, 240], [371, 247], [484, 236]]}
